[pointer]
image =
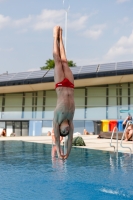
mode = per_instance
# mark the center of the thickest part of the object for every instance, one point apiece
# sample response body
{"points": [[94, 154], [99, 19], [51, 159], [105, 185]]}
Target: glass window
{"points": [[47, 126], [78, 126], [112, 102], [2, 125], [39, 105], [0, 105], [79, 98], [131, 96], [123, 100], [28, 106], [50, 104], [13, 106], [96, 103]]}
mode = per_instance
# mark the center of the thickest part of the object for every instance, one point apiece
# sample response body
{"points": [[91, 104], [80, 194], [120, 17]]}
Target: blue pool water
{"points": [[27, 171]]}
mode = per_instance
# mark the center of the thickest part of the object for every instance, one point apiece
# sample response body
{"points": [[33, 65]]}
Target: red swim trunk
{"points": [[65, 83]]}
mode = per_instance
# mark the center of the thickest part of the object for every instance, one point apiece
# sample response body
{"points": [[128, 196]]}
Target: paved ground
{"points": [[92, 142]]}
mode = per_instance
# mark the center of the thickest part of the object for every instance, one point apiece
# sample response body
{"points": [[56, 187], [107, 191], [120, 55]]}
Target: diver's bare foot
{"points": [[56, 31]]}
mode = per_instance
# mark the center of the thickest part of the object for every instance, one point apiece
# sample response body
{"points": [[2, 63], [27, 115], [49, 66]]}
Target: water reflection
{"points": [[57, 163]]}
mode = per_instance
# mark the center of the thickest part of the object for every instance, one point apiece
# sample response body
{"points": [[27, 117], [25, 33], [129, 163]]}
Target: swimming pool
{"points": [[27, 171]]}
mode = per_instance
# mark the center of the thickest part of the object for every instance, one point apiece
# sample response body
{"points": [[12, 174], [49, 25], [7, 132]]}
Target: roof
{"points": [[80, 72]]}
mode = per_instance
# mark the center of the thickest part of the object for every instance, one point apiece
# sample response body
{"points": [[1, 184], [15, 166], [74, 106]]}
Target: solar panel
{"points": [[107, 67], [37, 74], [88, 69], [75, 70], [50, 73], [124, 65], [6, 77], [21, 76]]}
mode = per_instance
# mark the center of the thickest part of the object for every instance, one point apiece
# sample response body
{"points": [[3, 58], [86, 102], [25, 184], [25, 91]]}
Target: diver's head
{"points": [[64, 128]]}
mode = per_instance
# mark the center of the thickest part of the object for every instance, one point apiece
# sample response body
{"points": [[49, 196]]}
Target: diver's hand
{"points": [[66, 156], [61, 157]]}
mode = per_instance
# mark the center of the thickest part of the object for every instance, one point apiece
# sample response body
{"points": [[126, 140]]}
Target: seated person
{"points": [[3, 133], [53, 137], [12, 134], [129, 117], [86, 132], [49, 133], [129, 132]]}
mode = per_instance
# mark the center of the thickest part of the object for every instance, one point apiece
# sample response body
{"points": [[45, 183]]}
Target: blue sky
{"points": [[98, 32]]}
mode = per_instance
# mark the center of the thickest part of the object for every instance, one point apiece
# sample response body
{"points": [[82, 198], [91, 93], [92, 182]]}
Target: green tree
{"points": [[50, 64], [71, 63]]}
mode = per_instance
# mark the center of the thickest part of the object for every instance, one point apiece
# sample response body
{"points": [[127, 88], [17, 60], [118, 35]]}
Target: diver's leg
{"points": [[126, 135], [130, 134], [58, 70], [67, 71]]}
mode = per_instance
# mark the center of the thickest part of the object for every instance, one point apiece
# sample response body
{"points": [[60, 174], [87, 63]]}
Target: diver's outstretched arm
{"points": [[57, 139], [70, 138]]}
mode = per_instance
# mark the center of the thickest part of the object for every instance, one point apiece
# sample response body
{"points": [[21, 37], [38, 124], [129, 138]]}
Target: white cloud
{"points": [[124, 20], [121, 1], [124, 46], [23, 21], [4, 21], [95, 32], [78, 23], [46, 20]]}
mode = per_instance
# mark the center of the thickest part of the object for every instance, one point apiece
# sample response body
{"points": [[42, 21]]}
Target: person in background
{"points": [[3, 133], [129, 117], [49, 133], [85, 132], [53, 137], [129, 132], [12, 135]]}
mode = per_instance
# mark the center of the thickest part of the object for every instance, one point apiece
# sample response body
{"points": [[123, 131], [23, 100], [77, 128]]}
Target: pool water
{"points": [[33, 171]]}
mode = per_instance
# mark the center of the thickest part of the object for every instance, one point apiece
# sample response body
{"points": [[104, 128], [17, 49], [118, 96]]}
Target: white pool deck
{"points": [[91, 141]]}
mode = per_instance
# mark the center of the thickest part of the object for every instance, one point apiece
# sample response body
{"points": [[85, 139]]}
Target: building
{"points": [[28, 99]]}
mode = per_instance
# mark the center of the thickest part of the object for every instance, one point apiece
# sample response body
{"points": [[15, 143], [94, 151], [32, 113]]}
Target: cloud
{"points": [[46, 20], [124, 46], [95, 31], [121, 1], [21, 22], [4, 21], [124, 20], [79, 23]]}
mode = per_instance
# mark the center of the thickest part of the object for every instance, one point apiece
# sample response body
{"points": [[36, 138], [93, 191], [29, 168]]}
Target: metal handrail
{"points": [[123, 137], [115, 128]]}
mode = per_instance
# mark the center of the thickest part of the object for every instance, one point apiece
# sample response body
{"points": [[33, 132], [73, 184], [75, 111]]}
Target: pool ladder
{"points": [[115, 130]]}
